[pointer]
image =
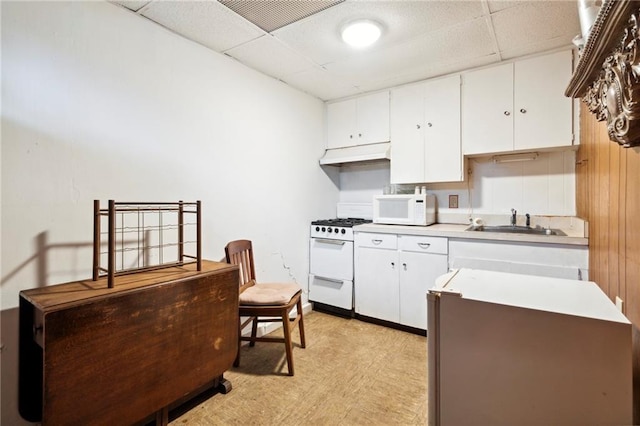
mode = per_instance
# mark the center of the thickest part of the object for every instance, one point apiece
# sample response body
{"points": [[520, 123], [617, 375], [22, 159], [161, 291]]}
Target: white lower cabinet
{"points": [[418, 273], [377, 294], [393, 273]]}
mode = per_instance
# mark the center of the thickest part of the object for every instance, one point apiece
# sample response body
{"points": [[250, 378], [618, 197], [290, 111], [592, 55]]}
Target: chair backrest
{"points": [[240, 252]]}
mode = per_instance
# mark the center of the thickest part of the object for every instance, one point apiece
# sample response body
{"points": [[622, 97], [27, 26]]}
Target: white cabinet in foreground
{"points": [[508, 349], [547, 260], [393, 274]]}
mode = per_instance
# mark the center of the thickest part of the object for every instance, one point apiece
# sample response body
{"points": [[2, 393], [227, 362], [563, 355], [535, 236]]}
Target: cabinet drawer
{"points": [[423, 244], [384, 241]]}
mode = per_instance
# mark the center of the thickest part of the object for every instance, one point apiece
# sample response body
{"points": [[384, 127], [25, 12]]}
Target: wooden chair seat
{"points": [[272, 302]]}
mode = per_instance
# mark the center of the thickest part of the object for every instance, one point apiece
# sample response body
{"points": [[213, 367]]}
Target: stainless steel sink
{"points": [[510, 229]]}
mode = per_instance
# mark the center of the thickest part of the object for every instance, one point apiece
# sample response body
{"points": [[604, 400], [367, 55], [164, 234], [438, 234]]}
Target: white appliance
{"points": [[509, 349], [404, 209], [331, 258]]}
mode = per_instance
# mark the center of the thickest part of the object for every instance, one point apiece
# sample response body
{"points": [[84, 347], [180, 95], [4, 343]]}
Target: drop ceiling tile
{"points": [[498, 5], [322, 84], [535, 47], [206, 22], [319, 35], [428, 71], [271, 15], [270, 56], [459, 45], [533, 23], [134, 5]]}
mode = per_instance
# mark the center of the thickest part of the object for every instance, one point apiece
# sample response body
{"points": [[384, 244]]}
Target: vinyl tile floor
{"points": [[350, 373]]}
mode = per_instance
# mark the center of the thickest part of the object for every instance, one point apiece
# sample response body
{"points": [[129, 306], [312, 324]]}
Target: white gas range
{"points": [[331, 258]]}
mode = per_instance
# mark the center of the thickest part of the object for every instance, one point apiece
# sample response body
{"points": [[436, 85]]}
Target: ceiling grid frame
{"points": [[308, 54]]}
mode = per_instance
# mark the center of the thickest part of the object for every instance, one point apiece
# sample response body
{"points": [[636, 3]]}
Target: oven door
{"points": [[331, 258], [332, 292]]}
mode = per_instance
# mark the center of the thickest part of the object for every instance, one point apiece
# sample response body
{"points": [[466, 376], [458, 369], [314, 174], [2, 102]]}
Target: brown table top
{"points": [[56, 296]]}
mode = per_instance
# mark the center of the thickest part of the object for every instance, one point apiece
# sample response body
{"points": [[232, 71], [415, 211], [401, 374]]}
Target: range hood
{"points": [[357, 154]]}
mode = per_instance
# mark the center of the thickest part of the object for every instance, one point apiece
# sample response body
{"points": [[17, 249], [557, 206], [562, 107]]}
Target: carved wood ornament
{"points": [[608, 74]]}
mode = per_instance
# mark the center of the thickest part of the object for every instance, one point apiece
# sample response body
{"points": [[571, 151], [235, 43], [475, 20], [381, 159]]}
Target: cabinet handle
{"points": [[376, 242], [350, 136], [507, 113], [393, 265], [333, 242], [418, 126], [522, 110], [404, 265], [331, 280], [429, 124], [359, 135], [424, 245]]}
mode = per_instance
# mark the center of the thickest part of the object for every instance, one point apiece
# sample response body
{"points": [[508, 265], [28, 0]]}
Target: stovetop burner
{"points": [[344, 222]]}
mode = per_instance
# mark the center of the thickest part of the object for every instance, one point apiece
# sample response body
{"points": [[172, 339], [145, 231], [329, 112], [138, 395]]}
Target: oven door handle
{"points": [[334, 242], [331, 280]]}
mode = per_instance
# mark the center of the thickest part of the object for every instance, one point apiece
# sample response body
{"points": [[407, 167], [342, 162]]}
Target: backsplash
{"points": [[544, 186]]}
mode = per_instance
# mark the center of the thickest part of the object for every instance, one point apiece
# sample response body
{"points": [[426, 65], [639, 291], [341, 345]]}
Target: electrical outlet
{"points": [[453, 201], [619, 304]]}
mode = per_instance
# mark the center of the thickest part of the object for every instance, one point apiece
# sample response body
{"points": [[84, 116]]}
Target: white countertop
{"points": [[571, 297], [573, 237]]}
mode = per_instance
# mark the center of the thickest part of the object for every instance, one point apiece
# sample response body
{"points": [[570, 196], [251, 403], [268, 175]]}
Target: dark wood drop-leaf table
{"points": [[90, 354]]}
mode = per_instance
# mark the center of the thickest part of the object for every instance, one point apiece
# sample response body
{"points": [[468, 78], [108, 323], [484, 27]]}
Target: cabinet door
{"points": [[376, 284], [341, 124], [373, 118], [418, 273], [442, 150], [407, 134], [543, 115], [487, 110]]}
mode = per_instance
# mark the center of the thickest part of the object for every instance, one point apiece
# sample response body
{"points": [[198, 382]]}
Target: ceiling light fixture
{"points": [[361, 33]]}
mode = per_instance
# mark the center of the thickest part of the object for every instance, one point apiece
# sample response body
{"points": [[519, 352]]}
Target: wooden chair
{"points": [[264, 302]]}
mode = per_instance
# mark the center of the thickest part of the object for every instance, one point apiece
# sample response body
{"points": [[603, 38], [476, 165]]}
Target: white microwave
{"points": [[404, 209]]}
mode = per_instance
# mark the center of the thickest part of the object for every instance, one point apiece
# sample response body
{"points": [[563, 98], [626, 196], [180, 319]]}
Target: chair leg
{"points": [[254, 332], [301, 324], [287, 341]]}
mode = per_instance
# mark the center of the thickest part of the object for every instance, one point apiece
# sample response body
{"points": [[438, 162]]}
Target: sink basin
{"points": [[509, 229]]}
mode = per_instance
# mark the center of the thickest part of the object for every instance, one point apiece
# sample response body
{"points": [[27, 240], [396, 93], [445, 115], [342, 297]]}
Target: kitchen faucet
{"points": [[513, 217]]}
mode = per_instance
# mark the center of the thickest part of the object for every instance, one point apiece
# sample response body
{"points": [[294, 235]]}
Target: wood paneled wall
{"points": [[608, 196]]}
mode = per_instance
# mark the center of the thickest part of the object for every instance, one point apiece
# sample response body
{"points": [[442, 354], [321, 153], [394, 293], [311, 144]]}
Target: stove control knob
{"points": [[343, 231], [324, 229], [329, 230], [317, 228], [336, 230]]}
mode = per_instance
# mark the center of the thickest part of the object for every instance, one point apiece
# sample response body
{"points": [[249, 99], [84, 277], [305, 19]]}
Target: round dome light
{"points": [[361, 33]]}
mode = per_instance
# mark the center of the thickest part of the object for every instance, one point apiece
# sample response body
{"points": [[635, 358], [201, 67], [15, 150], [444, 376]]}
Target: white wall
{"points": [[360, 182], [545, 186], [98, 103]]}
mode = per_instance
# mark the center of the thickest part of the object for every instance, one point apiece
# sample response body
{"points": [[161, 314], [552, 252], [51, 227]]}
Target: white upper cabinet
{"points": [[358, 121], [443, 152], [543, 114], [487, 110], [425, 132], [407, 134], [518, 106]]}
